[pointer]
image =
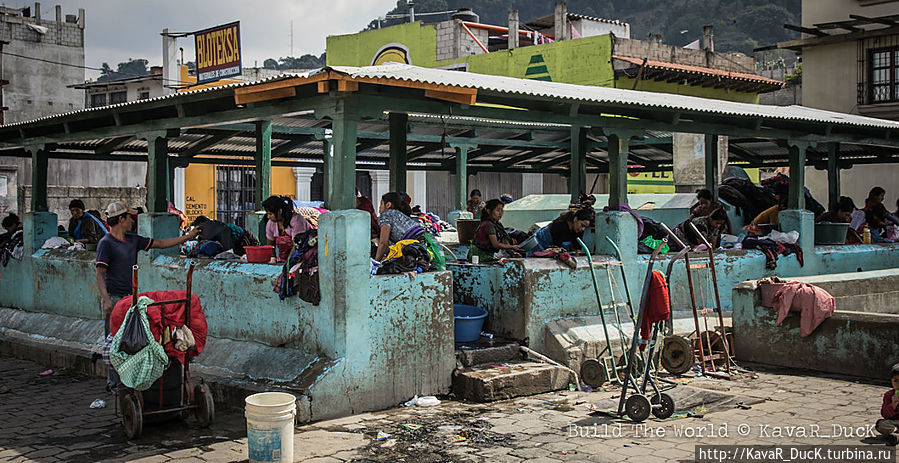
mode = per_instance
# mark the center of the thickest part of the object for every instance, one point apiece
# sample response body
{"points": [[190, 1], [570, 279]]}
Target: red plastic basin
{"points": [[259, 254]]}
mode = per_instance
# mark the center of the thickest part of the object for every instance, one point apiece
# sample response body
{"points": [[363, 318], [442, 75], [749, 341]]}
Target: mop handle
{"points": [[704, 241]]}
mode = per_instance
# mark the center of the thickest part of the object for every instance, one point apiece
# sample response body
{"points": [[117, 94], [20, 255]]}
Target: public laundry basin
{"points": [[468, 322]]}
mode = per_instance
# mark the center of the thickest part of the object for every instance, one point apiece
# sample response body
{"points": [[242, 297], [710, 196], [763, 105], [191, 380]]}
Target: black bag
{"points": [[135, 337]]}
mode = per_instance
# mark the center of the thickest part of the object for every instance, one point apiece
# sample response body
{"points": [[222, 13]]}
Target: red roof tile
{"points": [[686, 68]]}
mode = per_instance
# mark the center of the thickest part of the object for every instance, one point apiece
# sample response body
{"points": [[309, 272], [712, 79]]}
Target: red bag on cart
{"points": [[174, 318]]}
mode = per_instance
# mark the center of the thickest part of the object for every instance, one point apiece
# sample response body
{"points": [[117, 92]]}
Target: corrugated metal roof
{"points": [[605, 95]]}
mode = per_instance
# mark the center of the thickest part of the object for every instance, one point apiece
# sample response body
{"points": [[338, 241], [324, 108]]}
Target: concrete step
{"points": [[487, 383], [469, 356]]}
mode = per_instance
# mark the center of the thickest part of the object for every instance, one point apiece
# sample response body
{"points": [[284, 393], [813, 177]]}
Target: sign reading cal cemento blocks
{"points": [[218, 52]]}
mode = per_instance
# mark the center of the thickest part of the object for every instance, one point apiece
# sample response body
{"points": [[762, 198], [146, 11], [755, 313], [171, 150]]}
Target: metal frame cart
{"points": [[606, 367], [638, 406], [709, 345], [136, 405]]}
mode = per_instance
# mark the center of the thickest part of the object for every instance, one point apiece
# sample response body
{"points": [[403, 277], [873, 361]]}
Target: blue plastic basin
{"points": [[469, 321]]}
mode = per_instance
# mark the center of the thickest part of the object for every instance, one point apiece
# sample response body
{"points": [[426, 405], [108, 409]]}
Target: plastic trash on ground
{"points": [[426, 401], [99, 403], [383, 435]]}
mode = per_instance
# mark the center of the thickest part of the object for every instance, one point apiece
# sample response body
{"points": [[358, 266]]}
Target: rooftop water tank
{"points": [[465, 14]]}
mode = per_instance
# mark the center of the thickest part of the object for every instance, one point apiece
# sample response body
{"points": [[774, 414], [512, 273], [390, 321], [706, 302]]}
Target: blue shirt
{"points": [[118, 257]]}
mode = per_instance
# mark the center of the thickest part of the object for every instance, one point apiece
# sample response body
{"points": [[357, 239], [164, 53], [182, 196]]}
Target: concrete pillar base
{"points": [[802, 221], [158, 225], [39, 226], [621, 227]]}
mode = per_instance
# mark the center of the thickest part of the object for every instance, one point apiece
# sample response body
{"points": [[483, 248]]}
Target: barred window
{"points": [[884, 77]]}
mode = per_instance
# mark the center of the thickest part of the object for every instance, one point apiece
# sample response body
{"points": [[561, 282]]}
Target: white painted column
{"points": [[380, 184], [417, 182], [304, 182], [179, 188], [531, 184]]}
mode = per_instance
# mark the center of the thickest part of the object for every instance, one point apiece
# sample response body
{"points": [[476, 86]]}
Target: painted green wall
{"points": [[360, 49], [585, 61], [581, 61]]}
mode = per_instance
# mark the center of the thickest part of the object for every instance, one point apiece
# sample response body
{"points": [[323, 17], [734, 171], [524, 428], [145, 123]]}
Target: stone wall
{"points": [[98, 198], [454, 42], [671, 54]]}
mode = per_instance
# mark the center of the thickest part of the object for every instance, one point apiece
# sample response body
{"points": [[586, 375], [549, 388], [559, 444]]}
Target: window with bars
{"points": [[236, 193], [118, 97], [98, 99], [884, 78]]}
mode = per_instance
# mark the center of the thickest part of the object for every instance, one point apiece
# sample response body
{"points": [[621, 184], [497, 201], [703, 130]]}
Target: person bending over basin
{"points": [[491, 237], [563, 232]]}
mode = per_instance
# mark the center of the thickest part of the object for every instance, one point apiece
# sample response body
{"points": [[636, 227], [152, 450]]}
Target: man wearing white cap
{"points": [[117, 254]]}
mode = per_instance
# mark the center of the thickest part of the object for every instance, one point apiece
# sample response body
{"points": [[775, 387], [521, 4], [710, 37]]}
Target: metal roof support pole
{"points": [[711, 164], [157, 172], [797, 173], [399, 127], [342, 173], [833, 175], [263, 159], [39, 158], [577, 180], [618, 149]]}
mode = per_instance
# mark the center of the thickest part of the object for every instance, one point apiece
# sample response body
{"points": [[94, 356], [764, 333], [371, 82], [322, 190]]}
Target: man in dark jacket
{"points": [[85, 226]]}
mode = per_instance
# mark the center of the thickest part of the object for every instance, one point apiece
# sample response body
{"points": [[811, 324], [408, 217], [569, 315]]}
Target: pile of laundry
{"points": [[300, 275], [431, 222], [407, 256], [58, 242], [776, 244]]}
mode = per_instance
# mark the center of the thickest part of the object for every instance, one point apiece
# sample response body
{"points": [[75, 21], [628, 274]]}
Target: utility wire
{"points": [[86, 67]]}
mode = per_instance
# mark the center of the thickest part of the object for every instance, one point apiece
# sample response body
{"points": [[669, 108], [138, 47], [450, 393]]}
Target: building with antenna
{"points": [[42, 54]]}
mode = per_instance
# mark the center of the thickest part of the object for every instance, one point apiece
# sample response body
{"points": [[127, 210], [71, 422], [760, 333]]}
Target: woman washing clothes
{"points": [[491, 237], [397, 226], [710, 227], [283, 224], [563, 231]]}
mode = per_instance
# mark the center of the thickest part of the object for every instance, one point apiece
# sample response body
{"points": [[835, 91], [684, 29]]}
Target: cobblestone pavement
{"points": [[47, 418]]}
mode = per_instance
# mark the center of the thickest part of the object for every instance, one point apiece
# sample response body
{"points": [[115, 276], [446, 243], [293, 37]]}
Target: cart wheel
{"points": [[132, 416], [637, 408], [667, 408], [714, 339], [637, 368], [205, 410], [677, 355], [593, 373]]}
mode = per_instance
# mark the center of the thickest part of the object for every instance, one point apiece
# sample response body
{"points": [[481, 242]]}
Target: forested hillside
{"points": [[740, 25]]}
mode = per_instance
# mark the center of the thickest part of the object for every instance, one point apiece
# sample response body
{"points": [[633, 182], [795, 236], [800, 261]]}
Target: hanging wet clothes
{"points": [[657, 306]]}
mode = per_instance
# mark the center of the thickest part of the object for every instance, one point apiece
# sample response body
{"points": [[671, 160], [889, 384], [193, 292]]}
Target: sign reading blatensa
{"points": [[218, 52]]}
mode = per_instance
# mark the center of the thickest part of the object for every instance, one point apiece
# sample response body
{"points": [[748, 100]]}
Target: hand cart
{"points": [[606, 367], [709, 345], [171, 395], [638, 406]]}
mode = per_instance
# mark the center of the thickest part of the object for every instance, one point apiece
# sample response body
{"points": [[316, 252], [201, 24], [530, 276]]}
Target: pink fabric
{"points": [[297, 225], [814, 304]]}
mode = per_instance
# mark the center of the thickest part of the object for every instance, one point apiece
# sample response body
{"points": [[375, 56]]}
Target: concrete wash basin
{"points": [[859, 339]]}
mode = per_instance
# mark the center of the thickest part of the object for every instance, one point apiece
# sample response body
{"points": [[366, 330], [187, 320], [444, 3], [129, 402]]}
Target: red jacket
{"points": [[886, 410], [658, 306]]}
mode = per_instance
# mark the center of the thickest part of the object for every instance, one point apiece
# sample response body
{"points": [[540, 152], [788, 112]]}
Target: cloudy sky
{"points": [[120, 29]]}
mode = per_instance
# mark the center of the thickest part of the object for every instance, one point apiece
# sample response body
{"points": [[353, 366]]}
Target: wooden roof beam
{"points": [[806, 30]]}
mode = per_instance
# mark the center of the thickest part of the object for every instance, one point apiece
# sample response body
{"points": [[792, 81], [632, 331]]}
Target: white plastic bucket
{"points": [[270, 420]]}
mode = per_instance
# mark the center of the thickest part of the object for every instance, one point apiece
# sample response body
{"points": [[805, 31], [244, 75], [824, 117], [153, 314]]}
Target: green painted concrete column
{"points": [[462, 175], [263, 161], [833, 175], [577, 179], [39, 161], [711, 164], [343, 255], [37, 227], [399, 127], [158, 225], [158, 193], [618, 149], [341, 181], [797, 174], [803, 222]]}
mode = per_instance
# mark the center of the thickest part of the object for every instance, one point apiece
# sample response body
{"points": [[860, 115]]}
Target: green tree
{"points": [[124, 70]]}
